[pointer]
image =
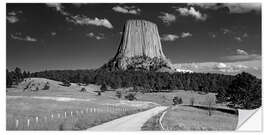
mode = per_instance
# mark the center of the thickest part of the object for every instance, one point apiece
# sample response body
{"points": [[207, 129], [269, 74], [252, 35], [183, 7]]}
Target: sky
{"points": [[48, 36]]}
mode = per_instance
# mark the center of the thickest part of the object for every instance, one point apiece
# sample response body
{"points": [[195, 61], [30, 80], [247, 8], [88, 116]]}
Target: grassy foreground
{"points": [[190, 118]]}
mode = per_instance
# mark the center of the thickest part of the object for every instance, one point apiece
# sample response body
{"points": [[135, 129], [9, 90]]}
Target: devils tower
{"points": [[140, 49]]}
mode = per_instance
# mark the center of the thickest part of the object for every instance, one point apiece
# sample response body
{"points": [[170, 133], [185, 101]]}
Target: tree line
{"points": [[242, 90]]}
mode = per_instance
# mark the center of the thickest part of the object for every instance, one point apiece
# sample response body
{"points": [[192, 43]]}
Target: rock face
{"points": [[140, 38], [140, 49]]}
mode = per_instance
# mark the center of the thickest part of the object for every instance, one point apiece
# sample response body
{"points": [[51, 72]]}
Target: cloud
{"points": [[185, 34], [192, 12], [222, 67], [212, 35], [80, 19], [18, 36], [245, 35], [243, 7], [53, 33], [167, 18], [235, 33], [225, 31], [242, 57], [58, 7], [12, 16], [233, 7], [241, 52], [239, 39], [127, 9], [96, 36], [169, 37], [83, 20]]}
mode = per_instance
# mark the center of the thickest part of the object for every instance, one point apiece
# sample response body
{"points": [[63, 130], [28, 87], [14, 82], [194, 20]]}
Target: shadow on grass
{"points": [[230, 111]]}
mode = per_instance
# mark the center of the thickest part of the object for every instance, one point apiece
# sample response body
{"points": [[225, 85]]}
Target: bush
{"points": [[46, 86], [99, 93], [210, 101], [83, 90], [103, 88], [118, 94], [177, 100], [130, 96], [66, 83]]}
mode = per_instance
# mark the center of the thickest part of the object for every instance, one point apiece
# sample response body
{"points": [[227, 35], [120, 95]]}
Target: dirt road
{"points": [[132, 122]]}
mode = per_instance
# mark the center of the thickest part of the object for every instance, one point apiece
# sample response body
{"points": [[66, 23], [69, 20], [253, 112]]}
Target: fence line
{"points": [[38, 122]]}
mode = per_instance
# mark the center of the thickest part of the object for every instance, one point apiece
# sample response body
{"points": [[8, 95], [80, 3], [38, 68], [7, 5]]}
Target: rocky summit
{"points": [[140, 49]]}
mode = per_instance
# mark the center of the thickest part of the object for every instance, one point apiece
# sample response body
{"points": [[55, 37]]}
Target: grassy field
{"points": [[63, 108], [190, 118], [66, 108], [152, 124]]}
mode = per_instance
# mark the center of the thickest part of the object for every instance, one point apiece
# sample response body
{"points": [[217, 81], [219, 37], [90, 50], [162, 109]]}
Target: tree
{"points": [[9, 79], [192, 101], [103, 88], [245, 91], [66, 83], [118, 94], [210, 101], [130, 96], [177, 100], [83, 90], [46, 87]]}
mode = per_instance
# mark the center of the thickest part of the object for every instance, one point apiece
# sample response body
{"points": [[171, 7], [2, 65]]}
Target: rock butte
{"points": [[140, 49]]}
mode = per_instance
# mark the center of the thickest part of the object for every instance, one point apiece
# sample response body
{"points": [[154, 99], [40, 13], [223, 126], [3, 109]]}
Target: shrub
{"points": [[103, 88], [130, 96], [66, 83], [46, 86], [177, 100], [83, 90], [99, 93], [118, 94], [210, 101]]}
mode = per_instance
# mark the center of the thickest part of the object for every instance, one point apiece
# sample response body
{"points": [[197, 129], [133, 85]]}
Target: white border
{"points": [[265, 73]]}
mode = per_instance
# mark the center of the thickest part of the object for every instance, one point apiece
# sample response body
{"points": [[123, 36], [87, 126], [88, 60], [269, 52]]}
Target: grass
{"points": [[26, 107], [191, 118], [29, 109], [152, 124]]}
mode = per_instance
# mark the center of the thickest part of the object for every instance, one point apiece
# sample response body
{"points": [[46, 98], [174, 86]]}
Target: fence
{"points": [[55, 118]]}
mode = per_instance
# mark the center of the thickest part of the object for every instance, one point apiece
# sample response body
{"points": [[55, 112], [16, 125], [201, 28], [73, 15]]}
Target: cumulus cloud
{"points": [[12, 16], [212, 35], [19, 36], [96, 36], [245, 35], [239, 39], [241, 52], [83, 20], [53, 33], [185, 34], [58, 7], [233, 7], [225, 31], [222, 67], [127, 9], [80, 19], [169, 37], [192, 12], [242, 57], [167, 18]]}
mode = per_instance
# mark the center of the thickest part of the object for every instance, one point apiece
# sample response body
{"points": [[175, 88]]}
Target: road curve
{"points": [[132, 122]]}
